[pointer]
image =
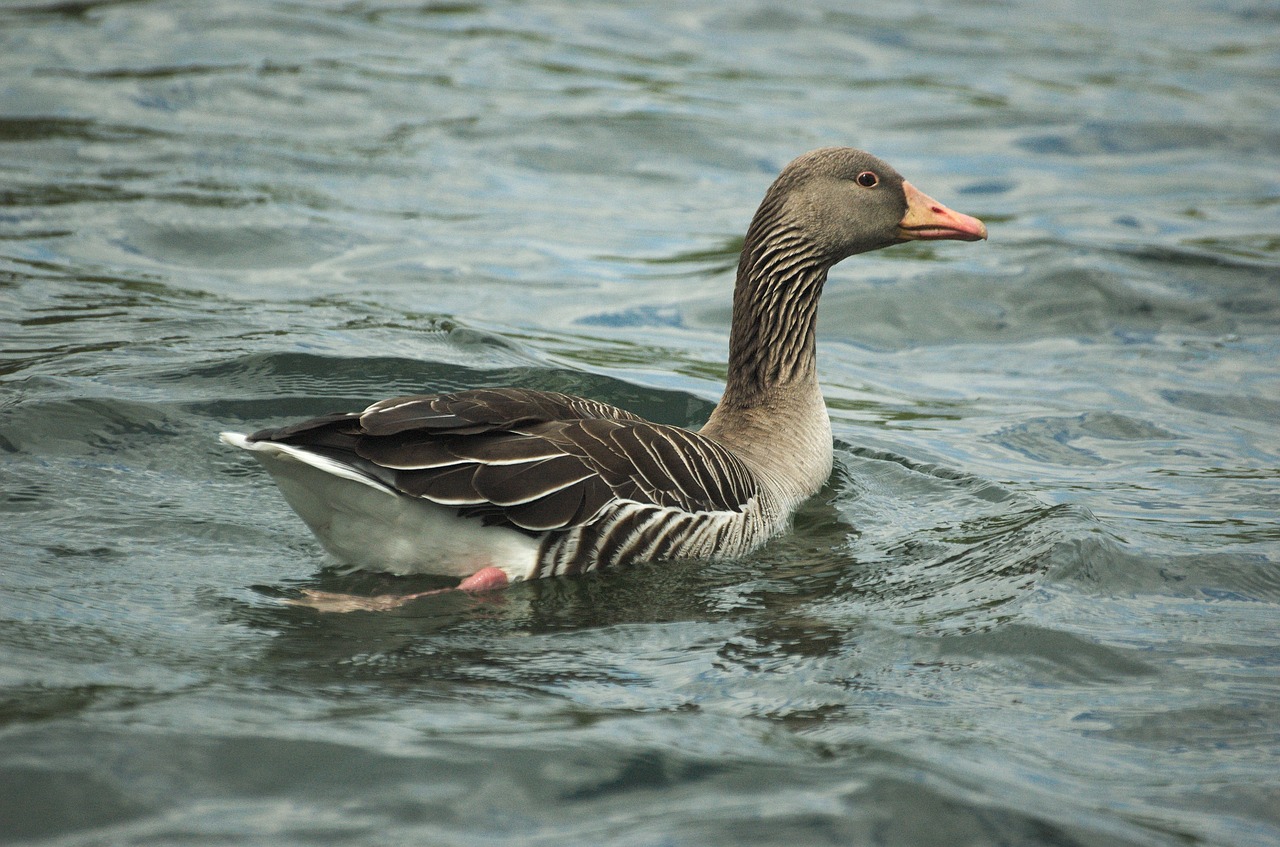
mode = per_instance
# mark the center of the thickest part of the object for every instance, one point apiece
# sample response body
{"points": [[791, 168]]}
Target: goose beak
{"points": [[928, 220]]}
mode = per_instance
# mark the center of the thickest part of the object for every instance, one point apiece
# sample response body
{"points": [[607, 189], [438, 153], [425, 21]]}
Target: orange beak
{"points": [[928, 220]]}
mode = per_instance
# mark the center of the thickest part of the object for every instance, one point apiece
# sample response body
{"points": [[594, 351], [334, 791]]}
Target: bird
{"points": [[494, 486]]}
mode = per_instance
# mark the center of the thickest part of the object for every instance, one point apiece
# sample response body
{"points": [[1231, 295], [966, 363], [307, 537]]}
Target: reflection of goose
{"points": [[497, 485]]}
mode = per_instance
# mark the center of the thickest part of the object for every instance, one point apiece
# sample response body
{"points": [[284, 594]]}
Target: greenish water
{"points": [[1037, 603]]}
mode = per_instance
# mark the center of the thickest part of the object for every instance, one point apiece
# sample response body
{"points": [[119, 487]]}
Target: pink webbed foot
{"points": [[485, 579], [330, 601]]}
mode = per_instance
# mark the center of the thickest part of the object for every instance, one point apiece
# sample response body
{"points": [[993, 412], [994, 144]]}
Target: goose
{"points": [[498, 485]]}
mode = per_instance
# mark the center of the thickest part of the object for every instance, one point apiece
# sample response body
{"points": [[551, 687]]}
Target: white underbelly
{"points": [[372, 528]]}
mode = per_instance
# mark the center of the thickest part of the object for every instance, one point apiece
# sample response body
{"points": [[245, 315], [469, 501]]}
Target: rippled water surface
{"points": [[1038, 602]]}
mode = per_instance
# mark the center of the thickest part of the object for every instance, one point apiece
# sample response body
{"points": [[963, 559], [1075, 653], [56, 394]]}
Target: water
{"points": [[1037, 603]]}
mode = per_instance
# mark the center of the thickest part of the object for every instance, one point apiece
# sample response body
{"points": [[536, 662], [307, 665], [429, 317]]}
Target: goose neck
{"points": [[772, 340]]}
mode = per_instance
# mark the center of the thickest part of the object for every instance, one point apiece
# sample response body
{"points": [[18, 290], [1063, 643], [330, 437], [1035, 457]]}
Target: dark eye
{"points": [[868, 179]]}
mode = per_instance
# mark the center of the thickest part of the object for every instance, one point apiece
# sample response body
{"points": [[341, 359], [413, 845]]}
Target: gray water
{"points": [[1036, 604]]}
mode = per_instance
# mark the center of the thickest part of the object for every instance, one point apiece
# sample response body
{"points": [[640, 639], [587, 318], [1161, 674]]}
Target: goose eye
{"points": [[868, 179]]}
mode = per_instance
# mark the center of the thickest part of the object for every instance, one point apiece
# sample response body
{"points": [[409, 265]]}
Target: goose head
{"points": [[839, 201]]}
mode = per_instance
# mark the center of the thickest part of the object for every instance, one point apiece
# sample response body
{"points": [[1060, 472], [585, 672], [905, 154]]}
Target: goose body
{"points": [[498, 485]]}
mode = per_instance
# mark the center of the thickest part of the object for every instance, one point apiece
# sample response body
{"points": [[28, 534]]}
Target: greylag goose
{"points": [[499, 485]]}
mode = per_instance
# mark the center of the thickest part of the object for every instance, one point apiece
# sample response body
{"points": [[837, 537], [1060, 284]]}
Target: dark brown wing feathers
{"points": [[532, 460], [482, 410]]}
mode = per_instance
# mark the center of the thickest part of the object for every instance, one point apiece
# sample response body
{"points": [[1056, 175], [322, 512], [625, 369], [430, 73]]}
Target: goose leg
{"points": [[485, 579]]}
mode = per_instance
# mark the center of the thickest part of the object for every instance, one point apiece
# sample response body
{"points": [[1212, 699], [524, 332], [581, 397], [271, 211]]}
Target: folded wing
{"points": [[535, 461]]}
